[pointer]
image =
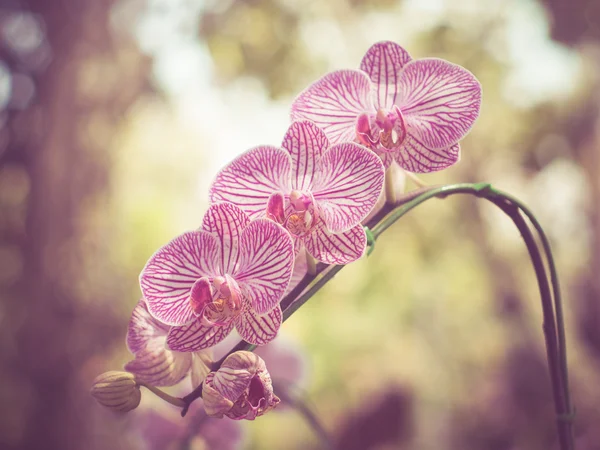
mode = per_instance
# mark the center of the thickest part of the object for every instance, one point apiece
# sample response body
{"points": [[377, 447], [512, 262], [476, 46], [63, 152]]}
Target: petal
{"points": [[251, 178], [305, 143], [415, 157], [276, 207], [231, 383], [200, 295], [384, 62], [439, 100], [244, 360], [395, 179], [334, 102], [350, 182], [157, 365], [201, 364], [143, 328], [259, 330], [226, 221], [300, 269], [215, 405], [378, 205], [195, 336], [387, 157], [266, 262], [172, 271], [340, 248]]}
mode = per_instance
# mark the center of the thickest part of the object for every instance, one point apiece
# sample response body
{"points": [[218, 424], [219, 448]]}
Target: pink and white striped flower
{"points": [[240, 389], [412, 111], [232, 272], [318, 193], [154, 363]]}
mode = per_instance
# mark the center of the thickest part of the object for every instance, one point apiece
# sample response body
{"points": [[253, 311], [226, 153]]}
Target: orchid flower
{"points": [[412, 111], [299, 272], [240, 389], [154, 363], [161, 427], [318, 193], [232, 272]]}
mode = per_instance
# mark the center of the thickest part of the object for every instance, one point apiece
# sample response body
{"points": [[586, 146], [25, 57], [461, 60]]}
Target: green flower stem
{"points": [[559, 385], [562, 345], [553, 325], [179, 402]]}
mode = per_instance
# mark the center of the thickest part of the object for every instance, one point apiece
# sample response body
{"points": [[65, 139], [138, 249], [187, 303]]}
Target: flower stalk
{"points": [[175, 401], [553, 325]]}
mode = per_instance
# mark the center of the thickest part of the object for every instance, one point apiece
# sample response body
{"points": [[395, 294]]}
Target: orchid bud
{"points": [[240, 389], [117, 390]]}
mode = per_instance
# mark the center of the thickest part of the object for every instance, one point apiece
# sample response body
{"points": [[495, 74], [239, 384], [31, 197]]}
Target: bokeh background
{"points": [[116, 114]]}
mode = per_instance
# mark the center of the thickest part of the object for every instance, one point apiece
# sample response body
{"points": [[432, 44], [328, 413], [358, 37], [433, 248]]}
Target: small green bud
{"points": [[117, 390]]}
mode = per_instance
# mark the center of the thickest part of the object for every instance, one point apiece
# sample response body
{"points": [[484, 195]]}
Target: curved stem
{"points": [[179, 402], [556, 292], [553, 353], [553, 325]]}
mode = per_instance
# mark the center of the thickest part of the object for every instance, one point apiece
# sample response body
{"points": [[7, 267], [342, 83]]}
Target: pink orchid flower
{"points": [[154, 363], [318, 193], [232, 272], [162, 427], [240, 389], [412, 111]]}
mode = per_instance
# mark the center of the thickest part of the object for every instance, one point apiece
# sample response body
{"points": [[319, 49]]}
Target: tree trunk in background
{"points": [[66, 159]]}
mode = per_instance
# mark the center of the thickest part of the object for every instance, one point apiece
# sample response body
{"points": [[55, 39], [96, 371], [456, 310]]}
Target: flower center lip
{"points": [[217, 301], [256, 392], [384, 131], [299, 216]]}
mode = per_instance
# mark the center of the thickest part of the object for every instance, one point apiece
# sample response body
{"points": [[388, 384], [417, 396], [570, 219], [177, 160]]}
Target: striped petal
{"points": [[172, 271], [300, 268], [334, 103], [234, 375], [306, 143], [195, 336], [439, 100], [266, 262], [340, 248], [384, 62], [251, 178], [350, 182], [415, 157], [158, 366], [153, 363], [386, 156], [201, 364], [226, 221], [259, 330], [143, 328]]}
